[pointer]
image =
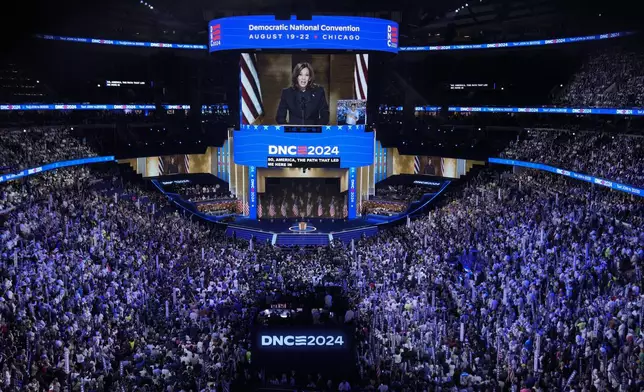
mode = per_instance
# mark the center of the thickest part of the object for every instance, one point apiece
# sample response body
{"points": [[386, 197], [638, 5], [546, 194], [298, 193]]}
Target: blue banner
{"points": [[252, 193], [78, 106], [215, 36], [626, 112], [269, 146], [352, 193], [578, 176], [247, 33], [101, 41], [495, 45], [53, 166], [480, 109]]}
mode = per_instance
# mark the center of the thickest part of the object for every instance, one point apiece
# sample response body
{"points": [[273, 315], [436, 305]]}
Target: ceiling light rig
{"points": [[145, 3], [461, 8]]}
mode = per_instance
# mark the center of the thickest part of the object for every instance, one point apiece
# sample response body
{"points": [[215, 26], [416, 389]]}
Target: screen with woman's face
{"points": [[303, 89]]}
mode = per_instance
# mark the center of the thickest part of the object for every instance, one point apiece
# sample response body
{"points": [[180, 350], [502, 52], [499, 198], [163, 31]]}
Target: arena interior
{"points": [[321, 196]]}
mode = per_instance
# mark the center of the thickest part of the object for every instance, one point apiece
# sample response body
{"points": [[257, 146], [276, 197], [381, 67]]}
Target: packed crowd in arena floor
{"points": [[541, 274]]}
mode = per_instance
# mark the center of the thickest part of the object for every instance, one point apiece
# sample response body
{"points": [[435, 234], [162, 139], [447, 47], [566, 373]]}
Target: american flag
{"points": [[296, 209], [320, 210], [332, 208], [283, 208], [160, 166], [416, 164], [360, 74], [309, 207], [345, 208], [260, 210], [251, 92], [271, 209], [246, 209], [186, 162]]}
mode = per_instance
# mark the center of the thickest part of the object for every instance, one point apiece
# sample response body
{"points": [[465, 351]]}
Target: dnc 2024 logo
{"points": [[392, 36], [215, 35]]}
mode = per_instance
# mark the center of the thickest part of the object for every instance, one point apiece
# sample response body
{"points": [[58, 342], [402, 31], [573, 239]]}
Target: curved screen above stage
{"points": [[336, 147], [248, 33]]}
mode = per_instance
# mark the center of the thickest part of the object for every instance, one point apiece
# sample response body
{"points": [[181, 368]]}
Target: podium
{"points": [[302, 226]]}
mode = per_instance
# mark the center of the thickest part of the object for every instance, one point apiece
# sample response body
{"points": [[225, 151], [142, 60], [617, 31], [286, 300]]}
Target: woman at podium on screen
{"points": [[304, 101]]}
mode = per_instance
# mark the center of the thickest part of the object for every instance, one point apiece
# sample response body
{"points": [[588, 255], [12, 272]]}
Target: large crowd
{"points": [[615, 157], [515, 281], [31, 147], [609, 78]]}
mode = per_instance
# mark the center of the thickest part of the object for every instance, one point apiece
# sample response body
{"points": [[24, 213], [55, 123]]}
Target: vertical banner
{"points": [[252, 194], [352, 193]]}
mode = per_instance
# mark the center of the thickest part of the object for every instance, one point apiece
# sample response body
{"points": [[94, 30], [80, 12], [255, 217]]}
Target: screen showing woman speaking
{"points": [[303, 89]]}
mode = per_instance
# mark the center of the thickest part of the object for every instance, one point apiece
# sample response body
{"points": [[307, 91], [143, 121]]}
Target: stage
{"points": [[286, 232]]}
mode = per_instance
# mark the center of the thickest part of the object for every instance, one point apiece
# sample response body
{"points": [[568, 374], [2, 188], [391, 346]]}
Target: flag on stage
{"points": [[271, 209]]}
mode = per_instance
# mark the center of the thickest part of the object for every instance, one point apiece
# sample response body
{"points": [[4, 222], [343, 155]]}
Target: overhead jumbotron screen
{"points": [[303, 110], [320, 33]]}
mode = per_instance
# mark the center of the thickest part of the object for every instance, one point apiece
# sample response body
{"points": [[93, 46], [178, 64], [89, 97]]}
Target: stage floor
{"points": [[322, 226]]}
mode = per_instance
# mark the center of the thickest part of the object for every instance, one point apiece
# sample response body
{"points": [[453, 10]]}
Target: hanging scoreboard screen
{"points": [[255, 32], [332, 148]]}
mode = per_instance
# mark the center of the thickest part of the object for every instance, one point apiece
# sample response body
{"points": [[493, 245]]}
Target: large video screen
{"points": [[257, 32], [431, 166], [329, 149], [303, 89]]}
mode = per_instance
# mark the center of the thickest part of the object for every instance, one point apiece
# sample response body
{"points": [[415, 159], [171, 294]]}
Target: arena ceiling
{"points": [[186, 21]]}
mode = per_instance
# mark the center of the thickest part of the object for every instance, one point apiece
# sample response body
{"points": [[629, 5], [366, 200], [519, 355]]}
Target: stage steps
{"points": [[302, 239]]}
